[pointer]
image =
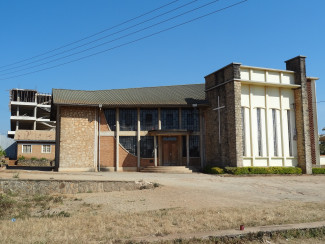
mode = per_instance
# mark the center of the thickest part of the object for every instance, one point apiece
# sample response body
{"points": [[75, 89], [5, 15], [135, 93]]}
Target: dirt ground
{"points": [[184, 203], [195, 190]]}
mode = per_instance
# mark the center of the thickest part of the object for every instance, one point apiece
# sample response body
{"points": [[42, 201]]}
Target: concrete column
{"points": [[180, 118], [17, 111], [155, 149], [35, 116], [202, 144], [96, 141], [17, 125], [160, 150], [267, 125], [187, 150], [138, 140], [159, 119], [117, 134]]}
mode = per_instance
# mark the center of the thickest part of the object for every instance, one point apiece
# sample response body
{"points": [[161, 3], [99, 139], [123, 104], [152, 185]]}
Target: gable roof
{"points": [[150, 96], [35, 135]]}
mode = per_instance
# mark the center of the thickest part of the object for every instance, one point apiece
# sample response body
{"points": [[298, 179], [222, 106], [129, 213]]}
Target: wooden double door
{"points": [[170, 151]]}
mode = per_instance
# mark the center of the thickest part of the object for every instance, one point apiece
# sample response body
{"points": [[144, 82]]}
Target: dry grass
{"points": [[90, 223]]}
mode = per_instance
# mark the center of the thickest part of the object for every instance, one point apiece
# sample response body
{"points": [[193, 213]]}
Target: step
{"points": [[166, 169]]}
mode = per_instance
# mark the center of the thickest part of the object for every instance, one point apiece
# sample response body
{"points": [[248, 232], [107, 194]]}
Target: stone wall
{"points": [[78, 137], [311, 123], [297, 65], [226, 151], [31, 187], [36, 151]]}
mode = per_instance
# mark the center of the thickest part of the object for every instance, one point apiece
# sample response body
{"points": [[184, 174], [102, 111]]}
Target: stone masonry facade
{"points": [[302, 113], [225, 84], [82, 140], [77, 137]]}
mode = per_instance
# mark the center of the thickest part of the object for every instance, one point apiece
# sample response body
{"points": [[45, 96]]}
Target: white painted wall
{"points": [[268, 98], [322, 159], [267, 75]]}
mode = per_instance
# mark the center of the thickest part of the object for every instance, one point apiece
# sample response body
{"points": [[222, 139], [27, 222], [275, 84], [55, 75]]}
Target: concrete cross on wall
{"points": [[218, 109]]}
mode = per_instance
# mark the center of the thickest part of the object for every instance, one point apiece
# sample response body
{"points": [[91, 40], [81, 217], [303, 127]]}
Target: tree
{"points": [[322, 145], [2, 152]]}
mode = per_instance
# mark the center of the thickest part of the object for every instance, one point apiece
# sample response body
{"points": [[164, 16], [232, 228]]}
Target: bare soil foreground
{"points": [[184, 203]]}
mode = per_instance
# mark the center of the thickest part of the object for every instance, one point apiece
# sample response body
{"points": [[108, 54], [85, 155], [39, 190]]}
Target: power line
{"points": [[131, 42], [87, 43], [116, 39], [87, 37]]}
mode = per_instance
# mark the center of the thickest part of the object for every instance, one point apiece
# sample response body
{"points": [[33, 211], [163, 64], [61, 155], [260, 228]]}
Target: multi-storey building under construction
{"points": [[30, 110]]}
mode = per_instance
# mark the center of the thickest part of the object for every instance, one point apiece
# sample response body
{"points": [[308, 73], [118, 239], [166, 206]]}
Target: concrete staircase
{"points": [[168, 169]]}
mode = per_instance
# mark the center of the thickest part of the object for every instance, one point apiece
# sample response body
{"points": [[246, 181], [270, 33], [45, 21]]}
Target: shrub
{"points": [[2, 152], [34, 159], [216, 170], [262, 170], [318, 170], [20, 158]]}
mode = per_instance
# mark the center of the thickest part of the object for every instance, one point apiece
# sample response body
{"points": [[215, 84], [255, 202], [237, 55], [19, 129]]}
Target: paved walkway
{"points": [[234, 233]]}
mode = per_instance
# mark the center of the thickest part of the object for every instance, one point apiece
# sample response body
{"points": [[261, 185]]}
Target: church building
{"points": [[241, 116]]}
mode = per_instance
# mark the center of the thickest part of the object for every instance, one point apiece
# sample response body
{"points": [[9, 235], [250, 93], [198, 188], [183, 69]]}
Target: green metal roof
{"points": [[147, 96]]}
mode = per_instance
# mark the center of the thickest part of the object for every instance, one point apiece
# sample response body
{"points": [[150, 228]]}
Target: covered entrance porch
{"points": [[168, 147]]}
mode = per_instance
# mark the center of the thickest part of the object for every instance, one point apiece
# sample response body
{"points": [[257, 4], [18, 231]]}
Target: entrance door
{"points": [[170, 153]]}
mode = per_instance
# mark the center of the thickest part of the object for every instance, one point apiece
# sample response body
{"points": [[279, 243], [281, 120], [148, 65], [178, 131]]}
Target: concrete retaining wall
{"points": [[22, 186]]}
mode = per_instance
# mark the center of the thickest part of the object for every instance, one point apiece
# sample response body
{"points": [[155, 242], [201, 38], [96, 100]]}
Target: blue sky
{"points": [[257, 33]]}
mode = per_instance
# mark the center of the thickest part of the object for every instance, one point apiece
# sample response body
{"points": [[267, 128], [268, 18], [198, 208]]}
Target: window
{"points": [[275, 132], [149, 119], [128, 119], [129, 143], [289, 132], [169, 119], [110, 115], [27, 148], [243, 130], [194, 146], [259, 132], [190, 119], [46, 148], [147, 147]]}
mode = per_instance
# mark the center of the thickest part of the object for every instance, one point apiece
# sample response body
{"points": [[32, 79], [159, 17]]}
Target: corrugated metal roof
{"points": [[162, 95]]}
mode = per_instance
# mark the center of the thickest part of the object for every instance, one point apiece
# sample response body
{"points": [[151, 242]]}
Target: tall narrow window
{"points": [[190, 119], [147, 147], [194, 146], [169, 119], [243, 130], [110, 115], [128, 119], [259, 132], [149, 119], [275, 132], [129, 143], [289, 132]]}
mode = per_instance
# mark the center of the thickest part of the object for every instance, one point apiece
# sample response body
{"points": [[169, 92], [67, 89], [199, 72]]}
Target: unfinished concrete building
{"points": [[30, 110]]}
